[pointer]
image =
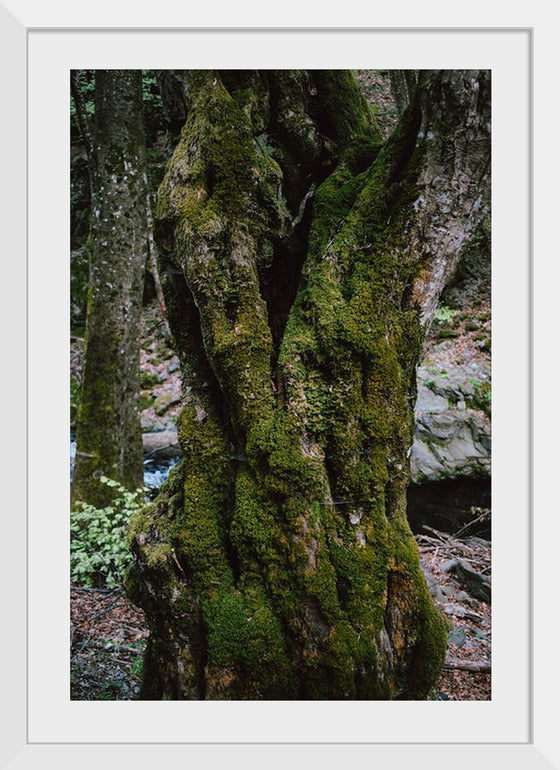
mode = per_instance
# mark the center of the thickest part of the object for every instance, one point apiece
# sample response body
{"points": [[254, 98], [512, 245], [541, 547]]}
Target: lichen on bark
{"points": [[284, 566]]}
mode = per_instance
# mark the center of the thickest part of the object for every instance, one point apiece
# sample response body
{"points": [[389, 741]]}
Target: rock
{"points": [[162, 403], [165, 400], [148, 423], [448, 566], [434, 588], [173, 366], [428, 401], [144, 400], [463, 596], [477, 585], [161, 444], [147, 378], [461, 612], [451, 439]]}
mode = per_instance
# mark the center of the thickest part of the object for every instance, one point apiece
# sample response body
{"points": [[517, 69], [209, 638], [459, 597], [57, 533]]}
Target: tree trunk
{"points": [[108, 433], [304, 260], [403, 85]]}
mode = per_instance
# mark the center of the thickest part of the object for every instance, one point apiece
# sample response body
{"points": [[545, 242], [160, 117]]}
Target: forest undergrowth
{"points": [[108, 634]]}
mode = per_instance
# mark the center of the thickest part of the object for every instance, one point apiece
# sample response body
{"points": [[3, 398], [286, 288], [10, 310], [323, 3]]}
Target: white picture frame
{"points": [[31, 623]]}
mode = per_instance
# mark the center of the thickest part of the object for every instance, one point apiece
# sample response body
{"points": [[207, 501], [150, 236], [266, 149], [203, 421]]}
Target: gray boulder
{"points": [[453, 435]]}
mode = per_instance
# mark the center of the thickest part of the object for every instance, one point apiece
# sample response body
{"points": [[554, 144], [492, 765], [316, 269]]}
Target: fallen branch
{"points": [[442, 535], [104, 611], [474, 666], [108, 646]]}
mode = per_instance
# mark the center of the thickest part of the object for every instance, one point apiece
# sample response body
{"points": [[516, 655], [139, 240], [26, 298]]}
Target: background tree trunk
{"points": [[403, 86], [108, 431], [303, 260]]}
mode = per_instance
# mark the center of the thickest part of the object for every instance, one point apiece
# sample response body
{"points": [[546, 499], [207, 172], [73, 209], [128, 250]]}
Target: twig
{"points": [[103, 611], [470, 523], [441, 535]]}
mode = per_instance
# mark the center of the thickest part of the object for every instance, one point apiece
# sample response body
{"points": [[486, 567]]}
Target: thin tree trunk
{"points": [[108, 431], [303, 264], [403, 86], [152, 252], [84, 127]]}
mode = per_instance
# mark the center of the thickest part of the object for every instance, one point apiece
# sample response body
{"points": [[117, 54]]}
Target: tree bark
{"points": [[108, 430], [403, 86], [304, 260]]}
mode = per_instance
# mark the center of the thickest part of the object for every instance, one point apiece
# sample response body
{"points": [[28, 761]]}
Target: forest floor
{"points": [[109, 634]]}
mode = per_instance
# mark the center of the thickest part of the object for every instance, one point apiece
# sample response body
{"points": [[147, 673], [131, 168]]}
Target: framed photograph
{"points": [[40, 49]]}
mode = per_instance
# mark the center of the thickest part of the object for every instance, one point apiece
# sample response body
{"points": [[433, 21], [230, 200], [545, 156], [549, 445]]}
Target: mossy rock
{"points": [[448, 334], [148, 379], [162, 403], [145, 400]]}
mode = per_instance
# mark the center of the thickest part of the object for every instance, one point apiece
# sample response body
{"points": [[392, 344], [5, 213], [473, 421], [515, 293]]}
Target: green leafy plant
{"points": [[99, 553], [445, 314], [151, 95], [137, 668]]}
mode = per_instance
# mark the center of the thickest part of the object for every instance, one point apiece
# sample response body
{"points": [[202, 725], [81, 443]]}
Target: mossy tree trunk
{"points": [[108, 434], [303, 259]]}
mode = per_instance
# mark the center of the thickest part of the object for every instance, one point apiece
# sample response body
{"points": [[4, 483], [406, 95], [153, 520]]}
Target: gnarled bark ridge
{"points": [[302, 260]]}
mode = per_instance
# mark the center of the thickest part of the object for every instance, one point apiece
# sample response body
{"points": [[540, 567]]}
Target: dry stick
{"points": [[474, 666], [470, 523], [153, 265], [96, 590], [115, 646], [442, 535], [103, 611]]}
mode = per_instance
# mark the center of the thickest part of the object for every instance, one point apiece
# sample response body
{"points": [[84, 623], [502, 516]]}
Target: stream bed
{"points": [[155, 470]]}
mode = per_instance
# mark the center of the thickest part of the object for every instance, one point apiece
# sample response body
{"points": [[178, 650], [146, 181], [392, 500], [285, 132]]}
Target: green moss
{"points": [[482, 397], [291, 532], [159, 554], [206, 491], [148, 379], [346, 117], [245, 636], [145, 400]]}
